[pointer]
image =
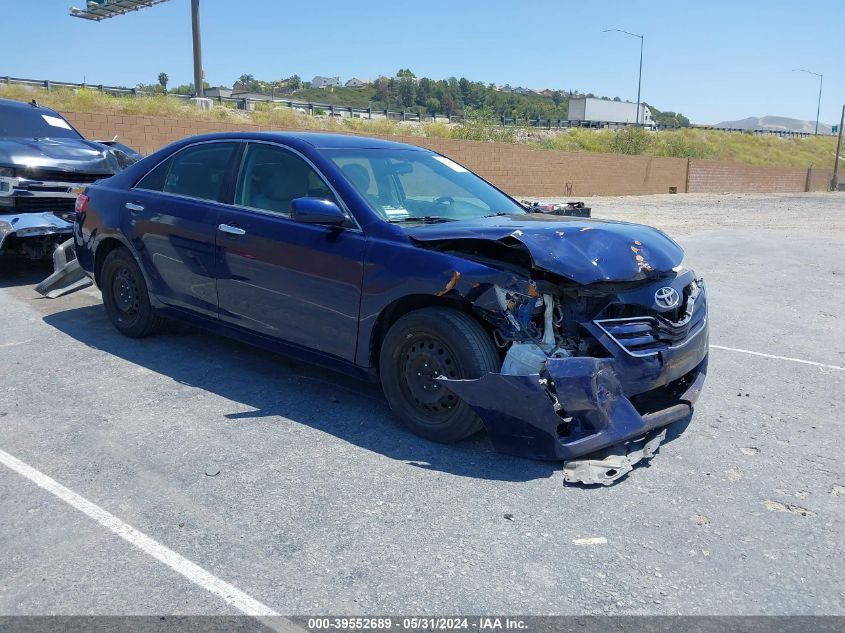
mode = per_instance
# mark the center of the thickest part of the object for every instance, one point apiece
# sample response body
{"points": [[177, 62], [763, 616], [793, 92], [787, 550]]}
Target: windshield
{"points": [[418, 186], [18, 122]]}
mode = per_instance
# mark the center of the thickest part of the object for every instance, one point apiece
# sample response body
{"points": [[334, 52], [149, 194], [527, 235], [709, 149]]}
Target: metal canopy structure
{"points": [[98, 10]]}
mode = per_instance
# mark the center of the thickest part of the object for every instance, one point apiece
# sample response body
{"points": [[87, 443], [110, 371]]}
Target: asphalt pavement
{"points": [[297, 486]]}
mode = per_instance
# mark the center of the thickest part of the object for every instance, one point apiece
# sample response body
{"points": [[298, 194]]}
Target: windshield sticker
{"points": [[451, 164], [395, 212], [56, 121]]}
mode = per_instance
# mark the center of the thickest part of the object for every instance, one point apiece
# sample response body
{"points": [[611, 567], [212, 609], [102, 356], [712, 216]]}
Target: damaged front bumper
{"points": [[23, 228], [579, 405], [68, 276]]}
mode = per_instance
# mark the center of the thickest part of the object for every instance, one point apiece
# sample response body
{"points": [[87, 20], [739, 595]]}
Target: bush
{"points": [[683, 144], [632, 140]]}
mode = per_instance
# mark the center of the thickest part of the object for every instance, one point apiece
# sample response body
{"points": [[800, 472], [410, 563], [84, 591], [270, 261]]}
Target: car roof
{"points": [[317, 140], [11, 103]]}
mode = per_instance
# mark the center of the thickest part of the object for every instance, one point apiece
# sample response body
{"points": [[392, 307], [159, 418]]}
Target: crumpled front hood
{"points": [[585, 250], [65, 154]]}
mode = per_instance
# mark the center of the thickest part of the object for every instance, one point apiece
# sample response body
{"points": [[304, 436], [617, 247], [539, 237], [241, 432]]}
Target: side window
{"points": [[154, 180], [272, 177], [197, 172]]}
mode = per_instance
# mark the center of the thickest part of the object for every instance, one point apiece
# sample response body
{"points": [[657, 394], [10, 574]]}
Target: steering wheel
{"points": [[444, 200]]}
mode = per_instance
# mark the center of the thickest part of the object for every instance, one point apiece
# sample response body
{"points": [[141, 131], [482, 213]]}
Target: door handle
{"points": [[231, 230], [134, 208]]}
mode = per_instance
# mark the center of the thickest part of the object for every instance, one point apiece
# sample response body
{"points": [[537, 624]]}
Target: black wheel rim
{"points": [[126, 295], [424, 359]]}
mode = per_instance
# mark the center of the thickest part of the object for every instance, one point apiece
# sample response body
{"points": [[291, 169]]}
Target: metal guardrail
{"points": [[552, 124], [246, 103], [312, 108]]}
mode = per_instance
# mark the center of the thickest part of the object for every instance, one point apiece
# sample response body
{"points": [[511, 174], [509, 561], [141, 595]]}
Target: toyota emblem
{"points": [[666, 297]]}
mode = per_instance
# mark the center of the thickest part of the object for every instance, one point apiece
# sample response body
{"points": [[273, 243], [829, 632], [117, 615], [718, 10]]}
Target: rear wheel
{"points": [[423, 345], [125, 295]]}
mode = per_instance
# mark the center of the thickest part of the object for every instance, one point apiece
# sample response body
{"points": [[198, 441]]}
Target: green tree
{"points": [[449, 104], [382, 88], [162, 80], [150, 88], [407, 90], [188, 89], [432, 105], [464, 87], [406, 72], [425, 88]]}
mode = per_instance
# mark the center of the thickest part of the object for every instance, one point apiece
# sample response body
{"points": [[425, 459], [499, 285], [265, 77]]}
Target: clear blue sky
{"points": [[710, 60]]}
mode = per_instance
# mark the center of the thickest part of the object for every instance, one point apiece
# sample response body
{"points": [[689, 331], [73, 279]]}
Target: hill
{"points": [[776, 123]]}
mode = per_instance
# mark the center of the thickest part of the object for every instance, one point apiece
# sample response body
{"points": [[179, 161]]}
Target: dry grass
{"points": [[686, 143], [692, 143]]}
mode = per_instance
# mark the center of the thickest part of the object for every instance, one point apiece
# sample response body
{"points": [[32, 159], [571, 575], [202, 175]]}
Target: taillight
{"points": [[81, 203]]}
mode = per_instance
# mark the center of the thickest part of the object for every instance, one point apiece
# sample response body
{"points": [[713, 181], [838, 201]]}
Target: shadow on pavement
{"points": [[16, 271], [272, 385]]}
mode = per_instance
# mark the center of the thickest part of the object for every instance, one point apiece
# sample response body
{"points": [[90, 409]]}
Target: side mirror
{"points": [[316, 211]]}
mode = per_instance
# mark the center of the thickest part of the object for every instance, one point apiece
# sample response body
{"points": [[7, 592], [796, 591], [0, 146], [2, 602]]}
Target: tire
{"points": [[126, 297], [421, 345]]}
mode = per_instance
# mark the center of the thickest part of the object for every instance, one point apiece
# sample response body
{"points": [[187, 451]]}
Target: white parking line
{"points": [[193, 572], [794, 360], [16, 343]]}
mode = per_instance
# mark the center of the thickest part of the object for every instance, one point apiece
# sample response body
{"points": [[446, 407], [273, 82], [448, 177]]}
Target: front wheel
{"points": [[423, 345], [125, 295]]}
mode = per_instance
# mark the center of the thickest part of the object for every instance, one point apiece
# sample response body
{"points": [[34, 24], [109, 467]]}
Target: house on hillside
{"points": [[325, 82], [357, 83]]}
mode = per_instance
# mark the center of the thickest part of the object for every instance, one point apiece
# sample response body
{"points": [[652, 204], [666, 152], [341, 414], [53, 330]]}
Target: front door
{"points": [[300, 283]]}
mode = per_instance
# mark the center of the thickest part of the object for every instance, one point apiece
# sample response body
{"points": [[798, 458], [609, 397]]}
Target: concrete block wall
{"points": [[708, 176], [519, 170]]}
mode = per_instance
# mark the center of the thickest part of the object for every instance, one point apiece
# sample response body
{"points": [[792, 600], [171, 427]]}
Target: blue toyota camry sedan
{"points": [[565, 338]]}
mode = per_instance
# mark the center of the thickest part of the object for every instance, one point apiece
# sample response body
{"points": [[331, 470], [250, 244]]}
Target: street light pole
{"points": [[195, 24], [834, 184], [821, 81], [640, 79]]}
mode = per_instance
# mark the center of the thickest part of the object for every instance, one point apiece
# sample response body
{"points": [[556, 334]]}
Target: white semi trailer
{"points": [[605, 111]]}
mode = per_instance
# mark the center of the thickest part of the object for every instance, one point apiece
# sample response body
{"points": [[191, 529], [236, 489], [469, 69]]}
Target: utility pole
{"points": [[195, 24], [640, 79], [821, 81], [834, 184]]}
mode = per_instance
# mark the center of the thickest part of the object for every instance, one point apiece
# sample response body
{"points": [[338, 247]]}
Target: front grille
{"points": [[37, 203], [55, 175], [647, 335]]}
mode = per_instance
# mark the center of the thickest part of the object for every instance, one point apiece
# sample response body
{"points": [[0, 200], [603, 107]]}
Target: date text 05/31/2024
{"points": [[417, 623]]}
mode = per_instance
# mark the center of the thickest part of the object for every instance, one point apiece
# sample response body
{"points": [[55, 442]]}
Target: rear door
{"points": [[172, 218], [299, 283]]}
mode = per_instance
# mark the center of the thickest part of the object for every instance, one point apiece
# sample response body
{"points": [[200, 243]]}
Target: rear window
{"points": [[196, 172], [29, 122]]}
